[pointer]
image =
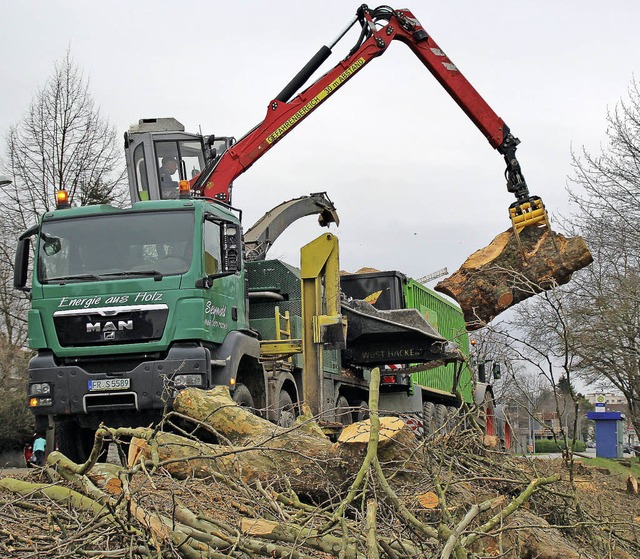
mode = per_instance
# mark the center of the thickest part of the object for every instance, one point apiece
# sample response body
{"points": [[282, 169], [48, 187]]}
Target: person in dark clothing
{"points": [[168, 186]]}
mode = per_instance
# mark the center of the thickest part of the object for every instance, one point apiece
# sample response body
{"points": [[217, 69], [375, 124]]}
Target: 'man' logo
{"points": [[118, 326]]}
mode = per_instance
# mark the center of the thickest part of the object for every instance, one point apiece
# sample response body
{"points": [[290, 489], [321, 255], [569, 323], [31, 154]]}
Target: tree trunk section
{"points": [[255, 449], [501, 275], [393, 437]]}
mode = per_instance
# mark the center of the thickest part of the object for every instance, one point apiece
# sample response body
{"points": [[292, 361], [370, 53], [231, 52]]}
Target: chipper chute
{"points": [[400, 336]]}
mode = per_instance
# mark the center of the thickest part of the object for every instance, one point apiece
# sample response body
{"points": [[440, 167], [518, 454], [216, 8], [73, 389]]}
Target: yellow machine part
{"points": [[527, 214], [322, 321]]}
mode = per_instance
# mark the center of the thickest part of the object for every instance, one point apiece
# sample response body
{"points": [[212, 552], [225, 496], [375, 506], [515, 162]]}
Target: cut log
{"points": [[491, 441], [394, 436], [501, 275], [312, 466], [254, 449], [535, 537], [359, 433], [429, 500]]}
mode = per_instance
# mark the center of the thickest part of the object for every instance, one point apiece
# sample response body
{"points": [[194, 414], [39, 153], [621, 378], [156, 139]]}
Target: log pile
{"points": [[506, 272], [218, 482]]}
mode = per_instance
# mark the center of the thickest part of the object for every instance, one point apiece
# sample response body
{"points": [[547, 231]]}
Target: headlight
{"points": [[187, 380], [39, 389]]}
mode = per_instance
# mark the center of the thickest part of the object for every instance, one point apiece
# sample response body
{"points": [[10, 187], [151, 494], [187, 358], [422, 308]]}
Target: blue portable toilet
{"points": [[609, 433]]}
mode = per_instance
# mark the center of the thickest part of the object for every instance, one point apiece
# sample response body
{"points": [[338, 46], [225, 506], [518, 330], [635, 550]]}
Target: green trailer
{"points": [[447, 318]]}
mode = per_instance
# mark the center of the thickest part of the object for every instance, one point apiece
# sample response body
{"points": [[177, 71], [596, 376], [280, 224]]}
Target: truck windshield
{"points": [[116, 246]]}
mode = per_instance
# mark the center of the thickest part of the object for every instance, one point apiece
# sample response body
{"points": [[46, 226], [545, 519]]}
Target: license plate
{"points": [[109, 384]]}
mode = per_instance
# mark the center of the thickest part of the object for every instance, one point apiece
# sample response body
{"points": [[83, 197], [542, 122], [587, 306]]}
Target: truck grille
{"points": [[110, 325], [112, 401]]}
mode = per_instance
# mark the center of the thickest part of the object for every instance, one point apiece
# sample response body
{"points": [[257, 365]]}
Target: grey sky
{"points": [[416, 184]]}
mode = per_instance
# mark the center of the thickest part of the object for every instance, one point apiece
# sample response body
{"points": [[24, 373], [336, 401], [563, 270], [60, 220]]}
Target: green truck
{"points": [[128, 306]]}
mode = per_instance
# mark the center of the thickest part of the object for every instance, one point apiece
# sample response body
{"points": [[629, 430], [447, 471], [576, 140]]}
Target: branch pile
{"points": [[215, 481]]}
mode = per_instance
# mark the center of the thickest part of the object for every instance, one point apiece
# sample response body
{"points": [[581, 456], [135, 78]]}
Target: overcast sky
{"points": [[417, 186]]}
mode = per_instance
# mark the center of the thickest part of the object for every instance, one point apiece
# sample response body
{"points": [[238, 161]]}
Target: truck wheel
{"points": [[242, 396], [287, 411], [73, 441], [441, 417], [343, 411], [429, 419], [452, 413], [362, 413]]}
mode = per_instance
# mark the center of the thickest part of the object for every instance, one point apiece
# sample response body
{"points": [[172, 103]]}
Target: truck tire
{"points": [[73, 441], [452, 418], [429, 420], [343, 411], [286, 410], [441, 418], [362, 413], [242, 396]]}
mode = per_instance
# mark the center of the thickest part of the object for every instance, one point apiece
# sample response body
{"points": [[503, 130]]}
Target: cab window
{"points": [[211, 248], [177, 160], [142, 180]]}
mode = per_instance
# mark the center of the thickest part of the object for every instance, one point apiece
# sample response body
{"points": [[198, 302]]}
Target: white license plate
{"points": [[109, 384]]}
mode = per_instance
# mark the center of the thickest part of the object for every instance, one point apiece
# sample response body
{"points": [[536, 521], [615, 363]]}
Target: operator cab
{"points": [[160, 154]]}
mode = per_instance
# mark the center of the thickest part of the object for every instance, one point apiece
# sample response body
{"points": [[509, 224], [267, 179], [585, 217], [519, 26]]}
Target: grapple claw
{"points": [[526, 214]]}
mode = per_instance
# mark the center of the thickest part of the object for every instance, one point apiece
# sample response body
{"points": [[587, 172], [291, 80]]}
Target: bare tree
{"points": [[604, 307], [16, 420], [609, 182], [61, 142], [540, 338], [605, 316], [521, 386]]}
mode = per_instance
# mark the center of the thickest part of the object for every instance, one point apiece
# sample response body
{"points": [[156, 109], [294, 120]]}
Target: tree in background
{"points": [[520, 388], [604, 307], [538, 338], [62, 142], [16, 421], [13, 306], [609, 182]]}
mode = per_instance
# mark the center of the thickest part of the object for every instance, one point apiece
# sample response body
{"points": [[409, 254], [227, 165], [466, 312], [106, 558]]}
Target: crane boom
{"points": [[379, 27]]}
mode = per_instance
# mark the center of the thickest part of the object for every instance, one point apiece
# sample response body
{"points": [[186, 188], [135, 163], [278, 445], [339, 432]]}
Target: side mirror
{"points": [[210, 152], [230, 251], [21, 269]]}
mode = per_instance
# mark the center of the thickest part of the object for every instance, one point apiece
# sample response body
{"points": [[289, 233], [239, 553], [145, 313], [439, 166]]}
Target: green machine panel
{"points": [[448, 319]]}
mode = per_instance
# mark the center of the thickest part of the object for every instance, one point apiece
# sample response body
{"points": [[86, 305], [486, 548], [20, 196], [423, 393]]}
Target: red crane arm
{"points": [[283, 115]]}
